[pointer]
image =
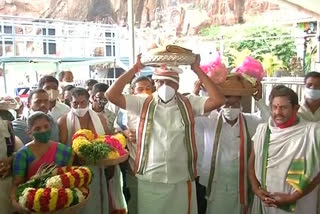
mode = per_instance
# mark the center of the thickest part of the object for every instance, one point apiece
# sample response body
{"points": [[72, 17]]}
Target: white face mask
{"points": [[80, 112], [231, 113], [53, 94], [64, 84], [312, 94], [166, 93]]}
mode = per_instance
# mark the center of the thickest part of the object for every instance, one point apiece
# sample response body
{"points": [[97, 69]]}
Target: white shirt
{"points": [[167, 158], [306, 114], [228, 146], [59, 110]]}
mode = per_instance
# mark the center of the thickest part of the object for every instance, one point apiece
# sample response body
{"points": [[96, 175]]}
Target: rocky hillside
{"points": [[155, 20], [146, 11]]}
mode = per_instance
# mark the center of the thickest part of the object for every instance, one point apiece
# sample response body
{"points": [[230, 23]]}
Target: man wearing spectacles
{"points": [[99, 102]]}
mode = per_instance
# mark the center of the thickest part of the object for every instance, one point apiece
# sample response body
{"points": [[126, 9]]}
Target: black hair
{"points": [[311, 74], [67, 88], [62, 74], [283, 91], [78, 91], [47, 78], [36, 116], [99, 87], [36, 91], [91, 82], [139, 79]]}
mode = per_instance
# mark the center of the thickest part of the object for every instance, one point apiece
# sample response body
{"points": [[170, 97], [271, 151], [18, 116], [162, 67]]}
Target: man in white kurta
{"points": [[224, 194], [285, 159], [165, 161], [167, 167]]}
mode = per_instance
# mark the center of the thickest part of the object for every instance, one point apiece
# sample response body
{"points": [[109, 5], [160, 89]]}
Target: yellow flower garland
{"points": [[36, 202], [70, 197], [53, 199], [56, 182], [88, 133], [113, 155], [78, 142], [81, 176], [85, 137], [71, 180]]}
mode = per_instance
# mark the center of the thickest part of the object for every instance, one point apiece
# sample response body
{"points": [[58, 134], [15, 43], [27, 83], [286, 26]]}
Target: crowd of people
{"points": [[187, 153]]}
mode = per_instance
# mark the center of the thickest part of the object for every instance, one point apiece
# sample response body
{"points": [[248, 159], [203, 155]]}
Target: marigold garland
{"points": [[113, 155], [50, 199], [85, 133], [53, 199], [66, 187], [78, 142], [69, 179], [36, 203], [85, 144]]}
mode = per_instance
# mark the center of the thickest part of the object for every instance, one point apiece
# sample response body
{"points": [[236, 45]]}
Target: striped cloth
{"points": [[165, 73], [25, 157]]}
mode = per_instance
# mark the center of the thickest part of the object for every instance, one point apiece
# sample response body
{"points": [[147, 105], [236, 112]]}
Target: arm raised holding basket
{"points": [[216, 98]]}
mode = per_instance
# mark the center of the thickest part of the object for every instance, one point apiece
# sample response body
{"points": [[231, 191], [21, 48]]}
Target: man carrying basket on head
{"points": [[165, 163]]}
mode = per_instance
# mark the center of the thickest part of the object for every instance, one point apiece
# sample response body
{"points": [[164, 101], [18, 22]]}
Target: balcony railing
{"points": [[49, 37]]}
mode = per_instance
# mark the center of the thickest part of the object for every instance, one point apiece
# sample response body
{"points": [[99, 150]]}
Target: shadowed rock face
{"points": [[176, 18], [115, 11]]}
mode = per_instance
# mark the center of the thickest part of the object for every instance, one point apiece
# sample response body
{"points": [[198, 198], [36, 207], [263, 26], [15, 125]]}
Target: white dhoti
{"points": [[225, 195], [98, 200], [161, 198]]}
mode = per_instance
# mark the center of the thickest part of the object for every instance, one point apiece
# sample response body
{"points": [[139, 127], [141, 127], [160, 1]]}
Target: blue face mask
{"points": [[42, 137]]}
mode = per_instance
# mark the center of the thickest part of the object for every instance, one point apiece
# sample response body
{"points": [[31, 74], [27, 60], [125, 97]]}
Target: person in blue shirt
{"points": [[38, 100]]}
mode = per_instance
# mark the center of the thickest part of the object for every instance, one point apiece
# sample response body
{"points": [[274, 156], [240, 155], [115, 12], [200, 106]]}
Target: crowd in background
{"points": [[187, 153]]}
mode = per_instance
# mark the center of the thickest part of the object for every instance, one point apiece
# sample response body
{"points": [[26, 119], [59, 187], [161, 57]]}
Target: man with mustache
{"points": [[56, 109], [38, 100], [284, 163]]}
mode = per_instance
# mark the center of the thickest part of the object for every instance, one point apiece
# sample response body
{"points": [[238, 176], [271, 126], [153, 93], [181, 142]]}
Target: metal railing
{"points": [[46, 37], [295, 83]]}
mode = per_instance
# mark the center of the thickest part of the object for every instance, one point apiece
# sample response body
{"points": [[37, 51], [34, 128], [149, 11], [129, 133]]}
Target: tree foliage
{"points": [[274, 46], [264, 41]]}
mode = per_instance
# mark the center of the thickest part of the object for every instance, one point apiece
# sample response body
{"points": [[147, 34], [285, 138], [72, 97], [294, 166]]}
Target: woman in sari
{"points": [[38, 152]]}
